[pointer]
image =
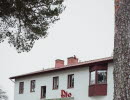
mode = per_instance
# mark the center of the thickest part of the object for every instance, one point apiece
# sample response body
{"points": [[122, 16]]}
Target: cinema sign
{"points": [[64, 96], [71, 98]]}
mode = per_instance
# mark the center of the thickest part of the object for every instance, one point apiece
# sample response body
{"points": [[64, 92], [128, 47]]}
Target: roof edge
{"points": [[106, 59]]}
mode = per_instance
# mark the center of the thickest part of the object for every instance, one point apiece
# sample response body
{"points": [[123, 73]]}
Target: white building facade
{"points": [[91, 80]]}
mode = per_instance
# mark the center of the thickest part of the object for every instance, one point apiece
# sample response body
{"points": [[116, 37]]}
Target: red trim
{"points": [[81, 64], [98, 67], [98, 90]]}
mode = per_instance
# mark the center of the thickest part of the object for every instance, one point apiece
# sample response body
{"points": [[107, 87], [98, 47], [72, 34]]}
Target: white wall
{"points": [[79, 92]]}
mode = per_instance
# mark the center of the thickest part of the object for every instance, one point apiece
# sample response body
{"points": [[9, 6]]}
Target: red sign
{"points": [[65, 94]]}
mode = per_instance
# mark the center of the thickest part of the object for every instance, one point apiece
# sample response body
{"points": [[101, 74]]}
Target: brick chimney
{"points": [[72, 60], [59, 63]]}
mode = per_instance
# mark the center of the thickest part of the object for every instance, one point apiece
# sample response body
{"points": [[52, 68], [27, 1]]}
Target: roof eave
{"points": [[87, 63]]}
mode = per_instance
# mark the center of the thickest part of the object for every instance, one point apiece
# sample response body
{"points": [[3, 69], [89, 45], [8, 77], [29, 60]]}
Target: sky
{"points": [[85, 29]]}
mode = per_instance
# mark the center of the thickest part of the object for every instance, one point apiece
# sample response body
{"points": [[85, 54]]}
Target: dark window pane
{"points": [[32, 86], [55, 82], [102, 77], [21, 87], [43, 91], [71, 81]]}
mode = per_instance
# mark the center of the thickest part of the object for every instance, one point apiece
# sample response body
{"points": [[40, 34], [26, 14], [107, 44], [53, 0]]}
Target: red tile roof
{"points": [[80, 64]]}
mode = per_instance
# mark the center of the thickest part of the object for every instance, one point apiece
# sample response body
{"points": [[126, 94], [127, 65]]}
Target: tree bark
{"points": [[122, 50]]}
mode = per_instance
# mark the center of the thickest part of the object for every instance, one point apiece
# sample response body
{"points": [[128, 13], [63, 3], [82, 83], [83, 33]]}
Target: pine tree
{"points": [[122, 50], [3, 95], [22, 22]]}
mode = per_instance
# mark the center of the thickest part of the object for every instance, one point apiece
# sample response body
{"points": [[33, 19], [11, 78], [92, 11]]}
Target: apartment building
{"points": [[89, 80]]}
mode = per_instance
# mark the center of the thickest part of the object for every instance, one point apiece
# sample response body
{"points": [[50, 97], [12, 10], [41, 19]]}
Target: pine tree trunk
{"points": [[122, 50]]}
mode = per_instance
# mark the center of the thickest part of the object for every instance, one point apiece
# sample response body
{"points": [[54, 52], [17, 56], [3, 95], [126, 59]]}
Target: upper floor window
{"points": [[71, 81], [98, 80], [21, 87], [55, 82], [92, 78], [32, 87], [101, 76], [98, 77], [43, 91]]}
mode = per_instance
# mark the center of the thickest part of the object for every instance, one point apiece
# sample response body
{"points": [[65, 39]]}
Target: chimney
{"points": [[72, 60], [59, 63]]}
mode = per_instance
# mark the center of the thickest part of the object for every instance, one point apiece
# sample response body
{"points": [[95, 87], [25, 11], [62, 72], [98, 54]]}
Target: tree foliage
{"points": [[22, 22], [122, 50], [3, 95]]}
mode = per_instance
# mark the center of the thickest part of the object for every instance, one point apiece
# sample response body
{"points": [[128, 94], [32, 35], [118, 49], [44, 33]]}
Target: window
{"points": [[98, 80], [21, 87], [43, 91], [102, 77], [71, 81], [92, 78], [98, 77], [32, 87], [55, 82]]}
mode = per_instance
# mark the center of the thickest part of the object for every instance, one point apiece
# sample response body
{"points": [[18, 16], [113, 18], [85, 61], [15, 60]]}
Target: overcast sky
{"points": [[86, 29]]}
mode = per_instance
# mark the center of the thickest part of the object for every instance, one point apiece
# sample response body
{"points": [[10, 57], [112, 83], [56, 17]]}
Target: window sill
{"points": [[20, 93], [32, 91], [98, 84], [70, 87], [55, 89], [42, 98]]}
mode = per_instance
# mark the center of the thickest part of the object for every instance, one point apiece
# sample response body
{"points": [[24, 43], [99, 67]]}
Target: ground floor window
{"points": [[43, 91]]}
